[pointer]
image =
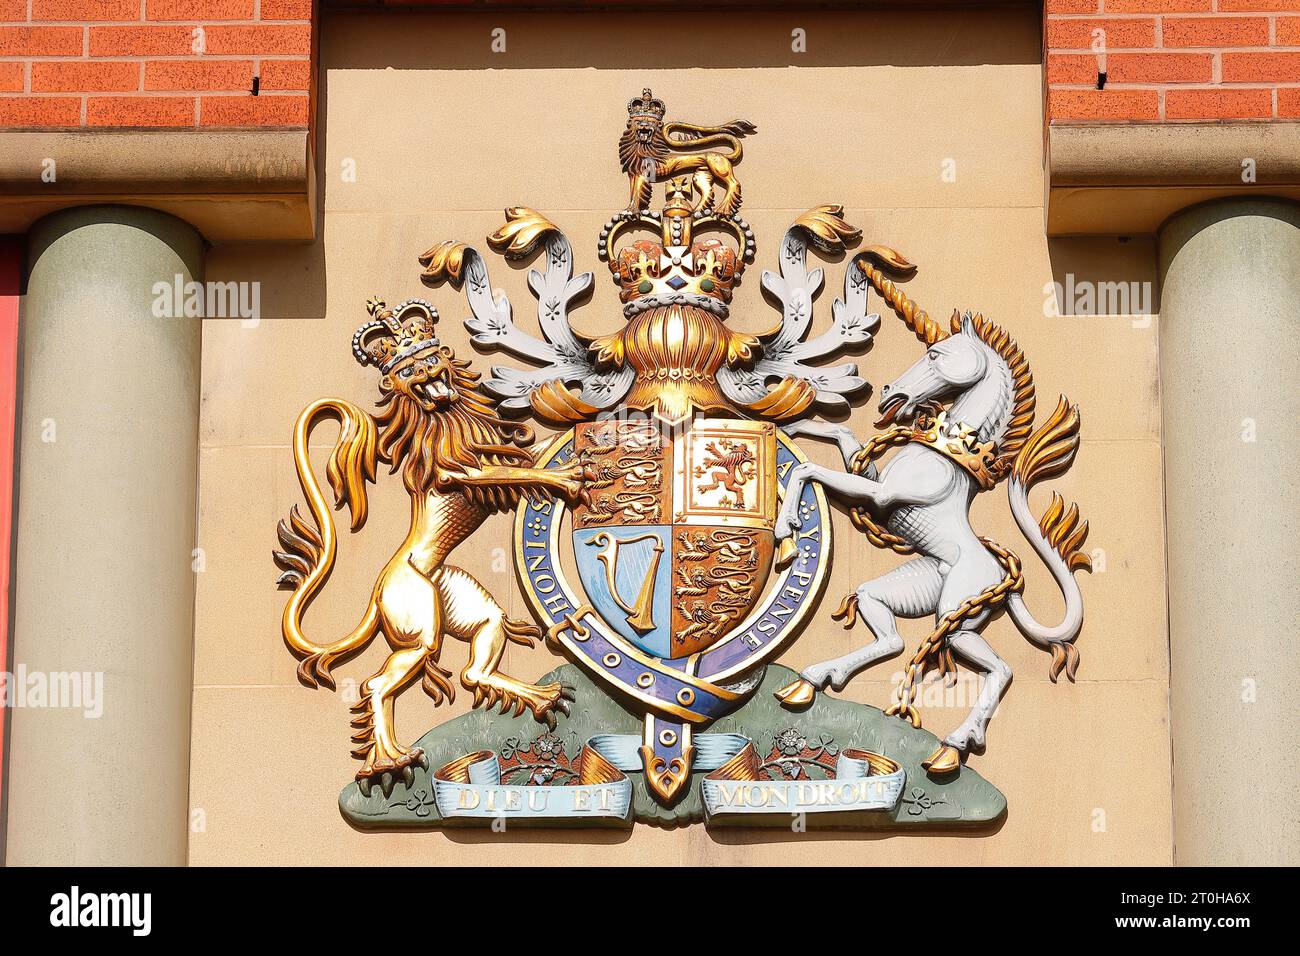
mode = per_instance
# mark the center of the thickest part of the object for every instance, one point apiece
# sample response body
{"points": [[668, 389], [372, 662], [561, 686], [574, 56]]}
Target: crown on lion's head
{"points": [[646, 105], [434, 418], [395, 334], [401, 343]]}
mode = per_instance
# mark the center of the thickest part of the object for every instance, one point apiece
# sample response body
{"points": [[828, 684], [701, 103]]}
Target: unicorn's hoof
{"points": [[786, 552], [944, 760], [800, 693]]}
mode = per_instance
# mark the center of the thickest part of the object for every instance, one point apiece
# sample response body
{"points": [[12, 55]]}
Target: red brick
{"points": [[1287, 32], [27, 111], [1160, 68], [254, 111], [1075, 68], [1103, 104], [1073, 6], [201, 10], [1218, 104], [1263, 6], [1159, 6], [1215, 31], [1261, 67], [85, 76], [13, 11], [142, 41], [41, 41], [272, 40], [286, 74], [1075, 34], [1288, 103], [301, 9], [198, 75], [12, 77], [85, 10], [140, 111]]}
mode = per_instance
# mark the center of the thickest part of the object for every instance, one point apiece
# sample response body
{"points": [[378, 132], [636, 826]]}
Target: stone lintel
{"points": [[230, 185], [1111, 179]]}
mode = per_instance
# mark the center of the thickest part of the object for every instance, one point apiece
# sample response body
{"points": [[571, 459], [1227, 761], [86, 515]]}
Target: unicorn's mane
{"points": [[1016, 414]]}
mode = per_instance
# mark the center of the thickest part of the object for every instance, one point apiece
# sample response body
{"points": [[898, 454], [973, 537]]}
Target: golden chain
{"points": [[861, 518], [934, 650]]}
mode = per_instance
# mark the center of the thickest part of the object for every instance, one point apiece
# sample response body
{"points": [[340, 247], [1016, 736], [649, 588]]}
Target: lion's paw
{"points": [[387, 771]]}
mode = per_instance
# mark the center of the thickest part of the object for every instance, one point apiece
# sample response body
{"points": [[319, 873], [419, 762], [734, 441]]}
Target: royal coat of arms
{"points": [[671, 538]]}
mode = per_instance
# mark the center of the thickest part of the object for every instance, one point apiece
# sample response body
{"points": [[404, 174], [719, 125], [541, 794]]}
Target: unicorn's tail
{"points": [[1056, 537]]}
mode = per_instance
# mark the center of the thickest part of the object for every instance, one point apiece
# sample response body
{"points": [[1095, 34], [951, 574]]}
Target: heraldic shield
{"points": [[677, 600], [673, 552]]}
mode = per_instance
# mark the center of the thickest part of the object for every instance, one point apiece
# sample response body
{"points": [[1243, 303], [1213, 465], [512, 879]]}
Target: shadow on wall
{"points": [[1103, 276], [293, 278], [685, 38]]}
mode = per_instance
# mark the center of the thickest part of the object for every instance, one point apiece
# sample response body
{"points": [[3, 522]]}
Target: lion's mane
{"points": [[633, 154], [467, 434]]}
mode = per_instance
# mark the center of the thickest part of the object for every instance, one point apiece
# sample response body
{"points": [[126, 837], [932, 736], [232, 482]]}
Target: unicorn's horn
{"points": [[913, 316]]}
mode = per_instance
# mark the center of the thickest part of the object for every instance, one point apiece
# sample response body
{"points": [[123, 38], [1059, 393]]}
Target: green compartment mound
{"points": [[783, 738]]}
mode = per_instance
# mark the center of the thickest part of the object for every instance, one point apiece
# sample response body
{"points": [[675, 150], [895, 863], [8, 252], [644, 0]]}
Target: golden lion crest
{"points": [[648, 144]]}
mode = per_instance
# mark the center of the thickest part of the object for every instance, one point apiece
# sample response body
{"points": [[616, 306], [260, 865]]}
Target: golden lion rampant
{"points": [[460, 462], [647, 147]]}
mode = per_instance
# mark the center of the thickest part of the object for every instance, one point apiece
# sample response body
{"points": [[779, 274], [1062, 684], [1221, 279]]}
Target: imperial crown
{"points": [[675, 293], [646, 105], [395, 334], [679, 269]]}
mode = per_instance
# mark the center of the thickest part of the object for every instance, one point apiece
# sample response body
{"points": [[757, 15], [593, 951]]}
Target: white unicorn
{"points": [[963, 416]]}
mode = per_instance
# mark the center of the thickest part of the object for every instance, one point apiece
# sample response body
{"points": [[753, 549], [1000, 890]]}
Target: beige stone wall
{"points": [[443, 135]]}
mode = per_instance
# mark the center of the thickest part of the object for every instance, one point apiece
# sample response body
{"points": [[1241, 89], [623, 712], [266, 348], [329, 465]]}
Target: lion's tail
{"points": [[725, 138], [308, 555]]}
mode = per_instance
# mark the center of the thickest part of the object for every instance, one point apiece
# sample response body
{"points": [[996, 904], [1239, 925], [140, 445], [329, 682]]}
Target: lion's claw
{"points": [[387, 771], [560, 696]]}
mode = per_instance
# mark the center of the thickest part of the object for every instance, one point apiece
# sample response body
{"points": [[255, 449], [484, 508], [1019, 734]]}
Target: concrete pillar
{"points": [[108, 457], [1230, 374]]}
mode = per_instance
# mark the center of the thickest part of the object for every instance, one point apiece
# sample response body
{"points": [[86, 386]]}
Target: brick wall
{"points": [[189, 63], [155, 63], [1171, 60]]}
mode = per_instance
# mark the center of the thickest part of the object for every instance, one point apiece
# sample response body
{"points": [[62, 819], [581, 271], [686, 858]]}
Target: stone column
{"points": [[104, 608], [1230, 374]]}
